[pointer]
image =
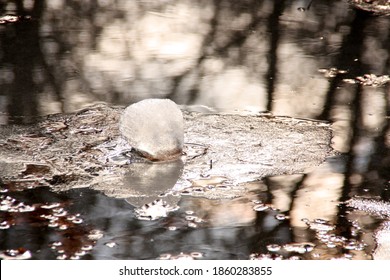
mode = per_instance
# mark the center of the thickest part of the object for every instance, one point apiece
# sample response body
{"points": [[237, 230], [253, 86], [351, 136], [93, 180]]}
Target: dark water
{"points": [[310, 59]]}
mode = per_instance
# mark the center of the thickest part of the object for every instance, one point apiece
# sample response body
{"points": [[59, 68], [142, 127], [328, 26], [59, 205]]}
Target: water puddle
{"points": [[286, 145], [86, 224]]}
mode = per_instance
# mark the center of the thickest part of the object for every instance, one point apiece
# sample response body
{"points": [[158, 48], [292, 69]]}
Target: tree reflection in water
{"points": [[60, 56]]}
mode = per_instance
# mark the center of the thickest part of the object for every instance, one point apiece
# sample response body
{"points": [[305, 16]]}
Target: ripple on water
{"points": [[273, 247], [15, 254], [260, 207], [300, 248], [257, 256], [319, 225], [154, 210], [181, 256], [281, 217], [110, 244], [5, 225]]}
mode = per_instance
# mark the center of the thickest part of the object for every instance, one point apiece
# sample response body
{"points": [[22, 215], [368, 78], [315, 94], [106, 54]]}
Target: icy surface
{"points": [[87, 149], [374, 207]]}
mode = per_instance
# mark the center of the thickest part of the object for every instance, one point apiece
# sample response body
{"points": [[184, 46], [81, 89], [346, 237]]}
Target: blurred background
{"points": [[315, 59]]}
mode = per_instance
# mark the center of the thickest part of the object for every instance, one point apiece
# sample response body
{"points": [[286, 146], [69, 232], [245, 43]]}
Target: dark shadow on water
{"points": [[22, 53], [124, 236], [273, 29], [350, 58]]}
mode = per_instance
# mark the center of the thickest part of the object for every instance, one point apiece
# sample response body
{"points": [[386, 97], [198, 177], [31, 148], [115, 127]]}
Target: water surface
{"points": [[316, 59]]}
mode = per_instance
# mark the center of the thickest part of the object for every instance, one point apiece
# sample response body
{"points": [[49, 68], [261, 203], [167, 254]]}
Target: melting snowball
{"points": [[154, 128]]}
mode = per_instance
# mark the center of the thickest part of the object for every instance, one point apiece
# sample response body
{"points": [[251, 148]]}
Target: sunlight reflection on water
{"points": [[229, 56]]}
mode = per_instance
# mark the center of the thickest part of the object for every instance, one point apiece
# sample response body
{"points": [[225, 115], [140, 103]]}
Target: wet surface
{"points": [[317, 60]]}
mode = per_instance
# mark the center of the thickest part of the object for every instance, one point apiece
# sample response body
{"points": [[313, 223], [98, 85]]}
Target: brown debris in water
{"points": [[72, 235]]}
